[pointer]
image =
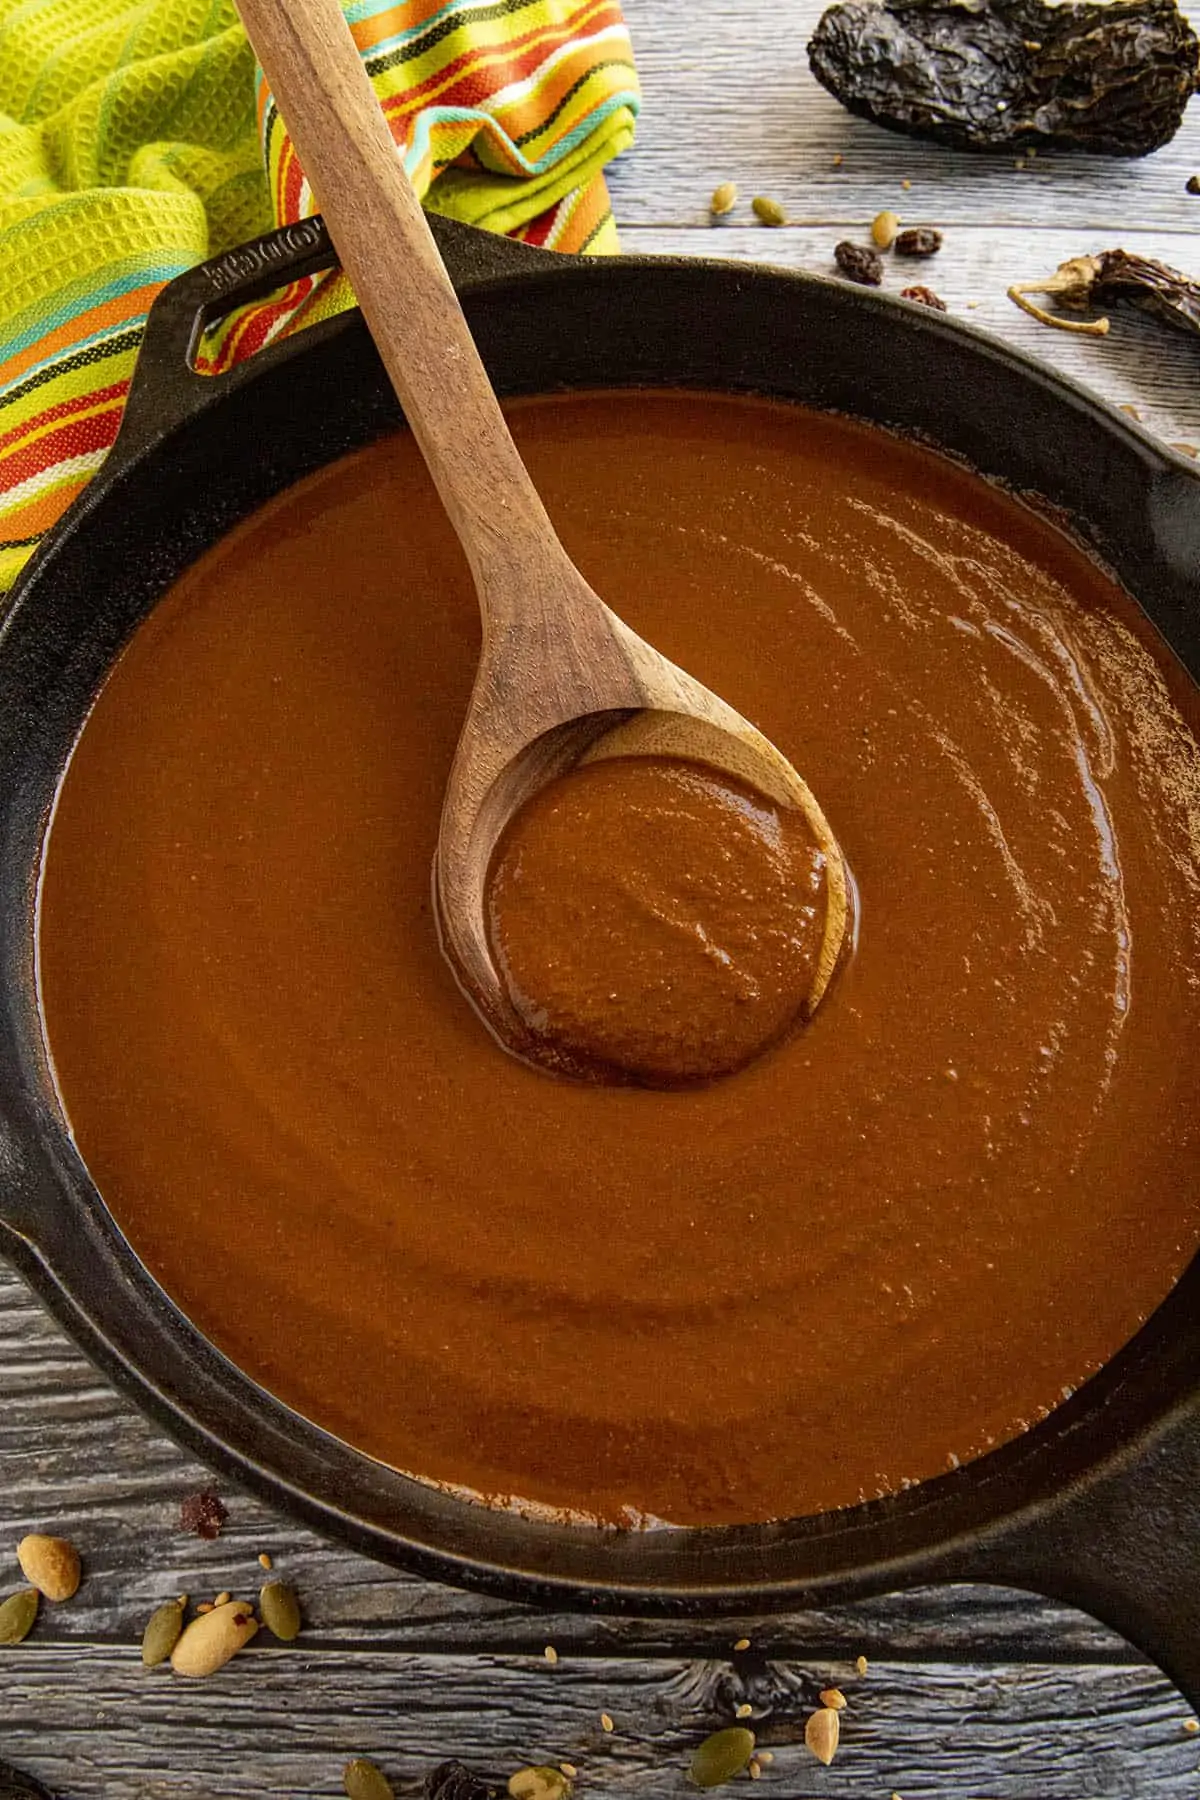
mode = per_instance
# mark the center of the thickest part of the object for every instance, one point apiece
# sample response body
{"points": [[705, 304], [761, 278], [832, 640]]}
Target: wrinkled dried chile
{"points": [[1115, 275], [1113, 79]]}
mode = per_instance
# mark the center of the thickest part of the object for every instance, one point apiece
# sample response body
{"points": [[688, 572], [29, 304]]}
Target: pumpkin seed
{"points": [[884, 227], [768, 211], [280, 1610], [821, 1734], [541, 1783], [722, 1756], [49, 1564], [162, 1633], [365, 1780], [723, 199], [17, 1616]]}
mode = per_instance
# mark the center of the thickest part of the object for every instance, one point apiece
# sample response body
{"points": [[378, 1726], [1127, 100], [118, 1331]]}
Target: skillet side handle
{"points": [[1124, 1547], [166, 391]]}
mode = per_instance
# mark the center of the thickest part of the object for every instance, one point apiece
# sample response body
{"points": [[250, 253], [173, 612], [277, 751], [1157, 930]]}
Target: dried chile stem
{"points": [[1111, 276], [1018, 294]]}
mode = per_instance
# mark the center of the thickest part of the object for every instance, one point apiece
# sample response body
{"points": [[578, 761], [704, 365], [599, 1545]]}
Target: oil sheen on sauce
{"points": [[891, 1242]]}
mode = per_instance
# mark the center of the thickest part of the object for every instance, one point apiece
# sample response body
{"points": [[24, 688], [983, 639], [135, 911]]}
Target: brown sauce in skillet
{"points": [[890, 1242]]}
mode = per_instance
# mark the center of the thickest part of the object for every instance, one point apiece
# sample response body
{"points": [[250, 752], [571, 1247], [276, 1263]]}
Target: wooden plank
{"points": [[1139, 363], [77, 1459], [283, 1721], [728, 96]]}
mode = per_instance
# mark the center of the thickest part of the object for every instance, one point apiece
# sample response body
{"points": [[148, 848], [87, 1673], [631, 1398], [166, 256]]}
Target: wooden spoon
{"points": [[561, 678]]}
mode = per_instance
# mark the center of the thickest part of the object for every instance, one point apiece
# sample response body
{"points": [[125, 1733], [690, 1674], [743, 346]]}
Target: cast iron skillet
{"points": [[1100, 1505]]}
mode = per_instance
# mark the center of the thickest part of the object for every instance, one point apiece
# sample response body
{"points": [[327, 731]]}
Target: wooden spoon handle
{"points": [[400, 281]]}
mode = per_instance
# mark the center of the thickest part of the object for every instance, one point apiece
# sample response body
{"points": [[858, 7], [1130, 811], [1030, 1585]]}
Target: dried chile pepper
{"points": [[1108, 278], [1112, 78]]}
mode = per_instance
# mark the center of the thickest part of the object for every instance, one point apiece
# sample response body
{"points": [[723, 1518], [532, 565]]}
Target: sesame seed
{"points": [[744, 1710], [754, 1768], [264, 1561], [550, 1653], [765, 1757], [205, 1606], [223, 1598], [1191, 1726], [906, 184], [569, 1770], [861, 1664], [742, 1644], [606, 1723]]}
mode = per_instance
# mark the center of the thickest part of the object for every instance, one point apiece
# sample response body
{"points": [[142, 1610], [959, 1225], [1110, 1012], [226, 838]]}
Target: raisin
{"points": [[857, 263], [919, 240], [924, 297], [454, 1781]]}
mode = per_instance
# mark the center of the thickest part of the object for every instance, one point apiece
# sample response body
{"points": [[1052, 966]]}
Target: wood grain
{"points": [[973, 1694], [93, 1722]]}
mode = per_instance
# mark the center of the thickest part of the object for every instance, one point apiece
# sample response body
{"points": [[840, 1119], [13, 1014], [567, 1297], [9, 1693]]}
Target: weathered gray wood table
{"points": [[979, 1695]]}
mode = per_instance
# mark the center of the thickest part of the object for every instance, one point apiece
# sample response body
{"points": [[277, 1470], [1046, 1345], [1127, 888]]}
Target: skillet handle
{"points": [[166, 391], [1124, 1546]]}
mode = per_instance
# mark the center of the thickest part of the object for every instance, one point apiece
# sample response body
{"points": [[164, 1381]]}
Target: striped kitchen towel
{"points": [[137, 138]]}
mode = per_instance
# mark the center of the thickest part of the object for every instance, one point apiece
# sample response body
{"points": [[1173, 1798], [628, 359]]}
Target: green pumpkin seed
{"points": [[768, 211], [280, 1610], [162, 1633], [543, 1783], [17, 1615], [722, 1756], [365, 1780]]}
